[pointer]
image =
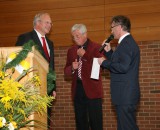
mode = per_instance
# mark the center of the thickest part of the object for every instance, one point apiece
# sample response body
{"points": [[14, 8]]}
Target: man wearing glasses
{"points": [[123, 65], [87, 93]]}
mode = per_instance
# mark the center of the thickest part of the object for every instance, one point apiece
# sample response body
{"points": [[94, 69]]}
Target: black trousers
{"points": [[49, 120], [88, 112], [126, 117]]}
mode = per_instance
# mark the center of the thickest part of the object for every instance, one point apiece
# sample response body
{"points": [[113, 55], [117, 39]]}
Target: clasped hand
{"points": [[80, 53]]}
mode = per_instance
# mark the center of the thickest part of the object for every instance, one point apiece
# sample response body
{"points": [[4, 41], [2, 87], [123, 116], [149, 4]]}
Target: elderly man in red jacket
{"points": [[87, 93]]}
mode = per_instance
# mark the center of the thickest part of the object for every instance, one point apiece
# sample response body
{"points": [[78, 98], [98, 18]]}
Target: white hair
{"points": [[38, 17], [81, 27]]}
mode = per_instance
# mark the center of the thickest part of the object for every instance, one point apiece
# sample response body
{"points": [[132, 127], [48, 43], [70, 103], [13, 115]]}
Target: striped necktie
{"points": [[80, 67]]}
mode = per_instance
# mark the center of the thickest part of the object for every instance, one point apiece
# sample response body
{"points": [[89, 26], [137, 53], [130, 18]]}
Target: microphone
{"points": [[111, 37]]}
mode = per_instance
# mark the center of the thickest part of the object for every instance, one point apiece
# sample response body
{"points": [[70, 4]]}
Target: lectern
{"points": [[35, 60]]}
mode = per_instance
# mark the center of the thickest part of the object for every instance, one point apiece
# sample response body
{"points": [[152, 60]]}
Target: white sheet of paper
{"points": [[95, 69]]}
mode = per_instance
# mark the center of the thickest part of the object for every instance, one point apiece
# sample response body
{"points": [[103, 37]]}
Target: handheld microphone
{"points": [[111, 37]]}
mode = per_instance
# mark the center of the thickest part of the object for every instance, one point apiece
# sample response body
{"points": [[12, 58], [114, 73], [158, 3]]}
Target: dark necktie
{"points": [[45, 48]]}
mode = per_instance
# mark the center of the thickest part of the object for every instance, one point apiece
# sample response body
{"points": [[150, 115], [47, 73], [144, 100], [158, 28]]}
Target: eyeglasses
{"points": [[115, 26]]}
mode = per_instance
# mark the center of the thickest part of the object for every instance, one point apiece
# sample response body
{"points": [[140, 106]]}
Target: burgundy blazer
{"points": [[92, 87]]}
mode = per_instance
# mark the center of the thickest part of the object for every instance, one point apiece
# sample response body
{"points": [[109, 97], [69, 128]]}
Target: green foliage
{"points": [[19, 100]]}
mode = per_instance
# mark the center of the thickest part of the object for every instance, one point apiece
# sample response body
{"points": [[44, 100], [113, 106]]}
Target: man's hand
{"points": [[54, 94], [81, 52], [75, 65], [107, 47], [100, 60]]}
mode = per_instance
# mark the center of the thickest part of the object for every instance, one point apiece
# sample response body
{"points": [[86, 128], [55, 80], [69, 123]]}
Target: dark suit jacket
{"points": [[92, 87], [24, 38], [123, 64]]}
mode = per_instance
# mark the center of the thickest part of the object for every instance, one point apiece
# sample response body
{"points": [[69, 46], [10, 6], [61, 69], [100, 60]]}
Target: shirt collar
{"points": [[39, 35], [122, 37], [84, 45]]}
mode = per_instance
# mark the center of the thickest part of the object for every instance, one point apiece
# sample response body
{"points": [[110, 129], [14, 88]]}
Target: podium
{"points": [[36, 60]]}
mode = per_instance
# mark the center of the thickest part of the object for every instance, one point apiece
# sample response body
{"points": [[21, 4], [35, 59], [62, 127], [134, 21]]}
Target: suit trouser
{"points": [[126, 117], [88, 112], [49, 120]]}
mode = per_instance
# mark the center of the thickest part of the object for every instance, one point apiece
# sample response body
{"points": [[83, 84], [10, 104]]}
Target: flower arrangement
{"points": [[18, 100]]}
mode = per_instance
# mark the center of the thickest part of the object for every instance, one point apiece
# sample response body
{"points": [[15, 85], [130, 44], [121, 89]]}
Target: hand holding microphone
{"points": [[111, 37]]}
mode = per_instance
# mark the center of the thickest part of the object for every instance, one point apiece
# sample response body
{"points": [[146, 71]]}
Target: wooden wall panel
{"points": [[11, 29], [7, 41], [137, 7], [146, 34], [66, 39], [139, 20], [62, 21], [17, 17], [58, 26], [56, 15], [15, 6], [62, 27], [65, 26], [144, 16], [120, 1], [80, 13], [145, 20]]}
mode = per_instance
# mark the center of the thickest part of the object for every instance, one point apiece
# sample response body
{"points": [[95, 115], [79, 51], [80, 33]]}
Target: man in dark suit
{"points": [[87, 93], [123, 65], [42, 25]]}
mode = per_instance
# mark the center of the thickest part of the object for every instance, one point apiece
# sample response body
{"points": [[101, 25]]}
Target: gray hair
{"points": [[38, 17], [123, 21], [81, 27]]}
